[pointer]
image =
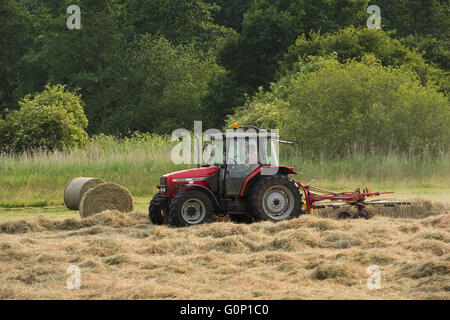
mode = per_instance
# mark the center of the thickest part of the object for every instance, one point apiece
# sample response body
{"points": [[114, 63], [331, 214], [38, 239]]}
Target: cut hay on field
{"points": [[75, 190], [41, 223], [106, 196], [125, 256]]}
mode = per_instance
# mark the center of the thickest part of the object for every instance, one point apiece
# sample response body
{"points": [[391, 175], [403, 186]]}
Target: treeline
{"points": [[309, 67]]}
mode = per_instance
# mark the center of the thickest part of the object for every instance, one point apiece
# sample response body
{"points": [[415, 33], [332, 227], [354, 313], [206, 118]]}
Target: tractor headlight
{"points": [[163, 185]]}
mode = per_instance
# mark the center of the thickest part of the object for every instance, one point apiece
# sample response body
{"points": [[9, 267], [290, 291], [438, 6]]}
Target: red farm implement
{"points": [[321, 198]]}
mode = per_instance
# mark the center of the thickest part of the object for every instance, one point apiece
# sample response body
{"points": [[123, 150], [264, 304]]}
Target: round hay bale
{"points": [[75, 190], [106, 196]]}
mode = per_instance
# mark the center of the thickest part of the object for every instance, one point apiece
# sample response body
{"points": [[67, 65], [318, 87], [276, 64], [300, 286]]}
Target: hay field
{"points": [[124, 256]]}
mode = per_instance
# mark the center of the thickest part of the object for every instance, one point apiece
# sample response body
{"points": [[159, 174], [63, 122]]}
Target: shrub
{"points": [[52, 119]]}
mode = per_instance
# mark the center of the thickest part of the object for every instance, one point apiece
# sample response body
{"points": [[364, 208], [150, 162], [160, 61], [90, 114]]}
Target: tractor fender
{"points": [[281, 169], [206, 190]]}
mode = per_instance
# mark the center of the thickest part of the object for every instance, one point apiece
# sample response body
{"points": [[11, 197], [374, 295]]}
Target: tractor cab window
{"points": [[242, 152], [268, 152], [213, 152], [251, 153], [242, 160]]}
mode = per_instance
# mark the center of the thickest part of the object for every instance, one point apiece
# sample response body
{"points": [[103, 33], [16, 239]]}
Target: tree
{"points": [[180, 21], [222, 96], [328, 107], [433, 50], [354, 43], [98, 57], [231, 12], [89, 58], [269, 28], [423, 24], [421, 17], [15, 40], [162, 88], [52, 119]]}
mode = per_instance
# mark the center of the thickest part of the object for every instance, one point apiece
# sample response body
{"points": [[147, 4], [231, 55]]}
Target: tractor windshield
{"points": [[241, 150]]}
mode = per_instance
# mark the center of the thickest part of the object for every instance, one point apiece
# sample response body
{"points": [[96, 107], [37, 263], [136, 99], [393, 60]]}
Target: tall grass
{"points": [[395, 168], [138, 163]]}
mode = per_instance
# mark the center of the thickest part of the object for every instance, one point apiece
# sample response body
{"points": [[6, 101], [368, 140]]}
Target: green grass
{"points": [[37, 204], [39, 179]]}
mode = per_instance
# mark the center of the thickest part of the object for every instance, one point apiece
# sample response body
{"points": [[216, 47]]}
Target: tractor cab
{"points": [[242, 178], [245, 150]]}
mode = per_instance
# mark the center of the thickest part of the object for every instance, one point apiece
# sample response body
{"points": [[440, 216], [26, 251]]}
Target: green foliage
{"points": [[333, 107], [270, 27], [15, 38], [162, 88], [223, 94], [433, 50], [351, 43], [2, 133], [423, 17], [127, 86], [180, 21], [88, 58], [249, 39], [423, 24], [52, 119], [231, 12]]}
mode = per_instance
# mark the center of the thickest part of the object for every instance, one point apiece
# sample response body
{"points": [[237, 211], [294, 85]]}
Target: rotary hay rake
{"points": [[318, 198]]}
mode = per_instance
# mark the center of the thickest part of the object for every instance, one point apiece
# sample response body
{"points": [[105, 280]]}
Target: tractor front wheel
{"points": [[156, 211], [275, 198], [190, 207]]}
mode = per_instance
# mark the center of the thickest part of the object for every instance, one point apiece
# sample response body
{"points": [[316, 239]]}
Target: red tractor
{"points": [[244, 191]]}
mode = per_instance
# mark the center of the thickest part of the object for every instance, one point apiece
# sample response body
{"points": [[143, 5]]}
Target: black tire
{"points": [[190, 207], [343, 215], [156, 213], [361, 214], [283, 190]]}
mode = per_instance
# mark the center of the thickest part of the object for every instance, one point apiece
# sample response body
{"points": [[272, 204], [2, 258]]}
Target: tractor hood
{"points": [[189, 174]]}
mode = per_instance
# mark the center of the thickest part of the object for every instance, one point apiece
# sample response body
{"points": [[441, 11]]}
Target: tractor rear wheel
{"points": [[275, 198], [190, 207], [156, 212]]}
